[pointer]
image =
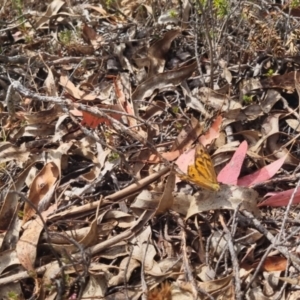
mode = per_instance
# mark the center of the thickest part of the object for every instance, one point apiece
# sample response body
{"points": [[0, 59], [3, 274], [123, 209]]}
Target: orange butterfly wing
{"points": [[202, 173]]}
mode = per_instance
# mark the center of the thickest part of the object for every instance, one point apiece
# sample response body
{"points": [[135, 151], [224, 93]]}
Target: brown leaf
{"points": [[44, 116], [50, 84], [52, 9], [124, 104], [40, 186], [74, 91], [10, 152], [160, 81], [229, 197], [89, 239], [285, 81], [186, 137], [91, 36], [275, 263], [166, 201], [10, 202], [26, 246], [158, 51]]}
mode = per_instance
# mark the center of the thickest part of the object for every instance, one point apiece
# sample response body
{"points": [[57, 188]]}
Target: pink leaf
{"points": [[212, 133], [262, 174], [185, 159], [230, 173], [281, 199]]}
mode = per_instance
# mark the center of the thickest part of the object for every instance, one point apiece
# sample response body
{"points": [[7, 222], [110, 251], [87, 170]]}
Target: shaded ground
{"points": [[149, 150]]}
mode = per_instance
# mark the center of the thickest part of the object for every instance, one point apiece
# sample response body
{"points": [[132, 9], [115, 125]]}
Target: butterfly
{"points": [[202, 172]]}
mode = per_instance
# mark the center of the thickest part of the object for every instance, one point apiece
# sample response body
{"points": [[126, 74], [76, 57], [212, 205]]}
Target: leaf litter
{"points": [[101, 103]]}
